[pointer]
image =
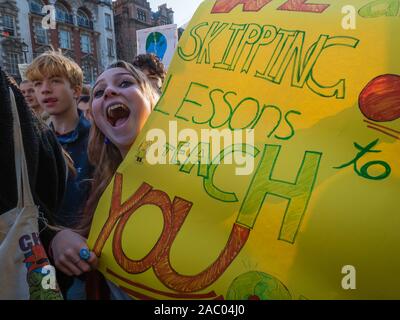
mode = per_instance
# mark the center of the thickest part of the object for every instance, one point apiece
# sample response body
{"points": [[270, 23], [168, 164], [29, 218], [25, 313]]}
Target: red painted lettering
{"points": [[174, 213], [302, 6], [226, 6]]}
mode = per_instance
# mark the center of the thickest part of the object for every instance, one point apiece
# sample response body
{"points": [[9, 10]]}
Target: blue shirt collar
{"points": [[82, 128]]}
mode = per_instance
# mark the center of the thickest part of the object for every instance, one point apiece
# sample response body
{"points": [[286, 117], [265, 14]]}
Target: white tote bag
{"points": [[25, 271]]}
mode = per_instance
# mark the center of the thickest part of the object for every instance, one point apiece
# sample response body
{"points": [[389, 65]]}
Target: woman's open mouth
{"points": [[117, 114]]}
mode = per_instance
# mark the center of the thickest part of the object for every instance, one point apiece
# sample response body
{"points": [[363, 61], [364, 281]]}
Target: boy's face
{"points": [[55, 94], [28, 92]]}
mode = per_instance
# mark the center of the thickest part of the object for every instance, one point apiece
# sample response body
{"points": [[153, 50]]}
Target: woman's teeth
{"points": [[116, 109], [117, 112]]}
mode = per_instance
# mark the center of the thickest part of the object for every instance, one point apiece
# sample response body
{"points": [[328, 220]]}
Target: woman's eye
{"points": [[98, 93], [126, 83]]}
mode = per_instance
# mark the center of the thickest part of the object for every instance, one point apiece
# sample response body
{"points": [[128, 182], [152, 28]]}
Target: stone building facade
{"points": [[84, 31], [133, 15]]}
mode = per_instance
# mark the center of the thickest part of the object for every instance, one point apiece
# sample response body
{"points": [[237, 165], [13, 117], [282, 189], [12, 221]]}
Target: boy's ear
{"points": [[77, 92]]}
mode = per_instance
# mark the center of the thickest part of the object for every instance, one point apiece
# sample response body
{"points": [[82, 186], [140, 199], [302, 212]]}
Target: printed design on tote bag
{"points": [[41, 276]]}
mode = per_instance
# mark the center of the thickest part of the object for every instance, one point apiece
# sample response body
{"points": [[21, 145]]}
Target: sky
{"points": [[183, 9]]}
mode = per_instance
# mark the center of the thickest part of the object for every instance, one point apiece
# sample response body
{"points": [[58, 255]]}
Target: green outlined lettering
{"points": [[297, 193]]}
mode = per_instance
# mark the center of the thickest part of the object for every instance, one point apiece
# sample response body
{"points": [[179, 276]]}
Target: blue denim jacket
{"points": [[78, 187]]}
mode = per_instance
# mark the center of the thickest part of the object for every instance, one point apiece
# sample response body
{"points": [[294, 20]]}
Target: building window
{"points": [[85, 43], [83, 20], [62, 14], [141, 15], [108, 21], [41, 34], [14, 60], [65, 39], [9, 25], [89, 73], [110, 47], [36, 6]]}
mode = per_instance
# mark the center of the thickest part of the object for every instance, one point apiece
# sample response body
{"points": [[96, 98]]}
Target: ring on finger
{"points": [[84, 254]]}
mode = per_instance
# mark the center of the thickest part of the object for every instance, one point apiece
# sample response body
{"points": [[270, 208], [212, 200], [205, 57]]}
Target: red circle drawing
{"points": [[380, 99]]}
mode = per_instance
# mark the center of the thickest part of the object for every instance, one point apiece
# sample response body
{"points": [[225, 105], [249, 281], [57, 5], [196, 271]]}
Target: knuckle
{"points": [[69, 252], [62, 259]]}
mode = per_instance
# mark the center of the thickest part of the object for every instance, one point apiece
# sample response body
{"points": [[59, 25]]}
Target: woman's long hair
{"points": [[103, 154]]}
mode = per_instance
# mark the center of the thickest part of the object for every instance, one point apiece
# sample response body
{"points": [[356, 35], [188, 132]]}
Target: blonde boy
{"points": [[57, 81]]}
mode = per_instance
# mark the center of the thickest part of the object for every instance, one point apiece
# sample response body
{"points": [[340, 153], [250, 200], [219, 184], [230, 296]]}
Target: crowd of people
{"points": [[75, 137]]}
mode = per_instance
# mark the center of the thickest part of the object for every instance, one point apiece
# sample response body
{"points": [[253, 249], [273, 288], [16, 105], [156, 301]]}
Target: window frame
{"points": [[11, 62], [89, 43], [83, 19], [38, 25], [141, 15], [108, 21], [60, 38], [36, 6], [89, 69], [7, 28], [110, 48], [62, 14]]}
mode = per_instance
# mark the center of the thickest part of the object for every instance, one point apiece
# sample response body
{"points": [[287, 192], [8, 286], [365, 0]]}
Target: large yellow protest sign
{"points": [[317, 216]]}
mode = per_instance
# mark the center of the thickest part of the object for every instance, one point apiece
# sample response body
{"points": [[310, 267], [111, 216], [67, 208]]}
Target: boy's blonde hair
{"points": [[54, 63]]}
